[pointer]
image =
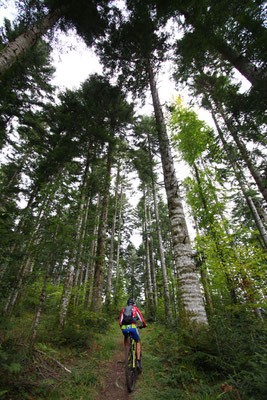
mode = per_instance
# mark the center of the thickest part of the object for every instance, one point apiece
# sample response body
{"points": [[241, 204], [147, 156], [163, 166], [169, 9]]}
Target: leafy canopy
{"points": [[191, 135]]}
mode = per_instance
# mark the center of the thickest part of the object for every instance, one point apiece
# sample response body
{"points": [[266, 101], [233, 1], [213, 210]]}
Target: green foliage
{"points": [[232, 352], [26, 83], [14, 363], [191, 135], [81, 326], [56, 142], [226, 259], [26, 373], [125, 51]]}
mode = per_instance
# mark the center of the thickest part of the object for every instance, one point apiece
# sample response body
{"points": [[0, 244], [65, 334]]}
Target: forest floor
{"points": [[147, 385], [115, 384], [95, 357]]}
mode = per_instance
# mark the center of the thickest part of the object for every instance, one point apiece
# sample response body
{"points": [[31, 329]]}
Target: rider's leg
{"points": [[138, 350]]}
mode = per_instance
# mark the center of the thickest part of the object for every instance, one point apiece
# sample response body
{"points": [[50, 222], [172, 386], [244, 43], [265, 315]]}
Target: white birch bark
{"points": [[111, 253], [147, 260], [23, 42], [152, 261], [66, 293], [90, 270], [168, 311], [80, 261], [191, 301], [118, 274]]}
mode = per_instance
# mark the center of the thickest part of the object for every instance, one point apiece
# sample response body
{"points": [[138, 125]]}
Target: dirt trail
{"points": [[115, 385]]}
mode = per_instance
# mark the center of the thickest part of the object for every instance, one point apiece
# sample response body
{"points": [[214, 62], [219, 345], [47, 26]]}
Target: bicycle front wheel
{"points": [[129, 370]]}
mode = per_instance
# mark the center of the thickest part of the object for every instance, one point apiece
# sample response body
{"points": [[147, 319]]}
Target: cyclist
{"points": [[127, 322]]}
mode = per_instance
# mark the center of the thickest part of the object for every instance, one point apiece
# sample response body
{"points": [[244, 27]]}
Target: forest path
{"points": [[115, 384]]}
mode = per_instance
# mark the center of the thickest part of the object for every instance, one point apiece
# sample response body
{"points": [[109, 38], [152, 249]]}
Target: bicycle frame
{"points": [[130, 363], [133, 347]]}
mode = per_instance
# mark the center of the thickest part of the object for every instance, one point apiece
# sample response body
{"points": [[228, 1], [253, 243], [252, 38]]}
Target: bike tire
{"points": [[129, 370]]}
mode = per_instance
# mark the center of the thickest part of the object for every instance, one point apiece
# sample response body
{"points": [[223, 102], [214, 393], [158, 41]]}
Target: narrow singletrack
{"points": [[115, 384]]}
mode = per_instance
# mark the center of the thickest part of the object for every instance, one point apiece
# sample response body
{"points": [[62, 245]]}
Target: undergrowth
{"points": [[82, 347], [225, 362]]}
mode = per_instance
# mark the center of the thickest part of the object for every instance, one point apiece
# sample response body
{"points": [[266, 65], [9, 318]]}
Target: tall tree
{"points": [[88, 18], [101, 240], [223, 32], [112, 236], [138, 60], [146, 130], [196, 141]]}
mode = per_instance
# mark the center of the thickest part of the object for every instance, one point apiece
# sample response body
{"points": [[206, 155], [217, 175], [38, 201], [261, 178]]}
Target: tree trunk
{"points": [[12, 298], [41, 303], [90, 270], [152, 260], [168, 311], [13, 179], [84, 215], [23, 42], [147, 261], [257, 220], [72, 263], [80, 261], [245, 156], [153, 274], [256, 76], [117, 282], [240, 178], [101, 241], [174, 277], [205, 282], [66, 293], [25, 267], [191, 302], [214, 234], [111, 253]]}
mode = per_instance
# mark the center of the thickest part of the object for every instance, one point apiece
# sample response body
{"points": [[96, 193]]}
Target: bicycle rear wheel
{"points": [[129, 370]]}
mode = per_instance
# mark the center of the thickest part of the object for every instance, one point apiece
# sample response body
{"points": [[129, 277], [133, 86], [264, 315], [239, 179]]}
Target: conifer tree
{"points": [[124, 45]]}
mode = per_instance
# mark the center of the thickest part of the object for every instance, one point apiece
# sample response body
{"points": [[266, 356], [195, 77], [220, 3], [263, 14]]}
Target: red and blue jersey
{"points": [[136, 314]]}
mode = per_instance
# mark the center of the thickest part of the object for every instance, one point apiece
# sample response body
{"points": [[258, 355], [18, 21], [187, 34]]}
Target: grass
{"points": [[88, 368], [173, 368], [82, 349]]}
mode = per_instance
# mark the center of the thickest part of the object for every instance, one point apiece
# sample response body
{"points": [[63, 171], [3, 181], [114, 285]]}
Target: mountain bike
{"points": [[130, 363]]}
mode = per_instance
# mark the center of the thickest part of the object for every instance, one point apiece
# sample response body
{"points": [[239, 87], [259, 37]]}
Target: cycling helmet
{"points": [[130, 301]]}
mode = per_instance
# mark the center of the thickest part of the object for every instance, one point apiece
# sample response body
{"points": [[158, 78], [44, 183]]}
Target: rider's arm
{"points": [[121, 317], [140, 316]]}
